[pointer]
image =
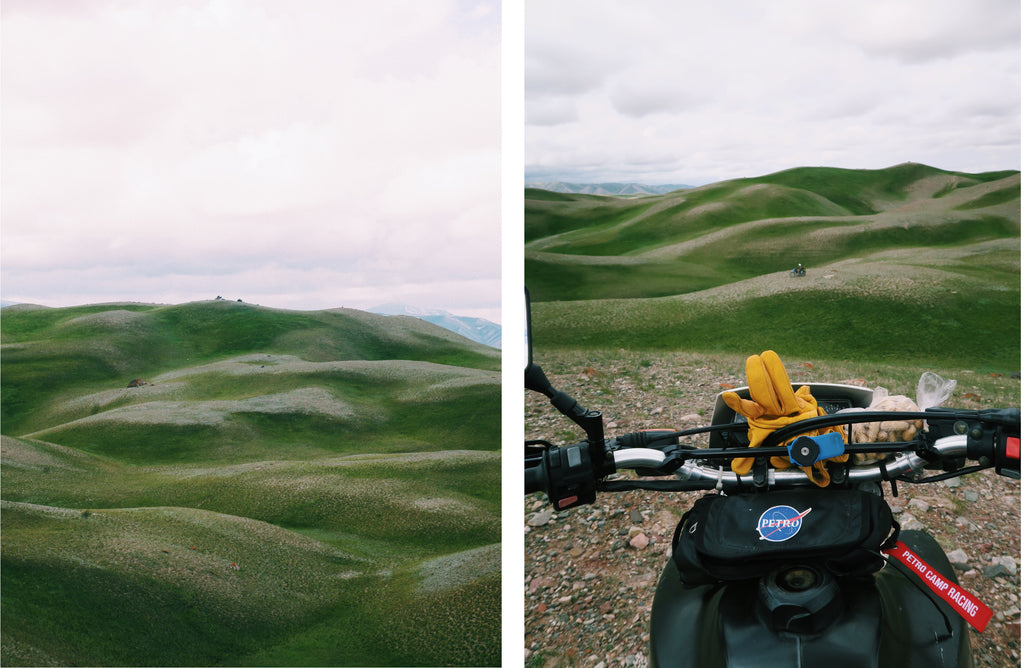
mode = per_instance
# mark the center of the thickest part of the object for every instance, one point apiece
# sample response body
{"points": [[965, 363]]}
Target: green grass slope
{"points": [[686, 241], [907, 263], [48, 352], [253, 407], [279, 492], [178, 586]]}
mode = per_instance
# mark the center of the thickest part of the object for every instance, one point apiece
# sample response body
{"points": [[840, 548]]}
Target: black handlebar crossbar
{"points": [[567, 476], [695, 475], [1004, 417]]}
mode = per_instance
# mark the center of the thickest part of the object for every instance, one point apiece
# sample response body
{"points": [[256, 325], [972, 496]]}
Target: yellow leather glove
{"points": [[772, 405]]}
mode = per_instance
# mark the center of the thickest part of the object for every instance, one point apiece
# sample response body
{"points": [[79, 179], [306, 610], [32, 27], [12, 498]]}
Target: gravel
{"points": [[589, 577]]}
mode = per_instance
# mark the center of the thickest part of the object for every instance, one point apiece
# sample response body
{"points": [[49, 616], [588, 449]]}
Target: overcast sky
{"points": [[301, 155], [662, 91]]}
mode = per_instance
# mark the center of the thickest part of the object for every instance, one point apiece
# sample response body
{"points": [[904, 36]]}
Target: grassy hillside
{"points": [[285, 488], [909, 262], [49, 352]]}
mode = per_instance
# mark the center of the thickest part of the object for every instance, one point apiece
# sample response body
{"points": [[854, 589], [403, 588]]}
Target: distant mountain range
{"points": [[613, 189], [475, 329]]}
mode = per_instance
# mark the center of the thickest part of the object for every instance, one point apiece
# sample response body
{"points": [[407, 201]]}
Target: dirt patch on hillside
{"points": [[310, 401], [451, 456], [22, 654], [737, 231], [14, 308], [107, 319], [461, 568], [885, 273], [930, 186], [263, 363], [98, 400], [438, 390], [41, 510], [37, 455]]}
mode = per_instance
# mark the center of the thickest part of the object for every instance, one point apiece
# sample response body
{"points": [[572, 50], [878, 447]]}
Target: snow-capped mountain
{"points": [[613, 189], [475, 329]]}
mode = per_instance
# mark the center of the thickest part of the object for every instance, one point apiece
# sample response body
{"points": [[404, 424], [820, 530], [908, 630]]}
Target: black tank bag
{"points": [[745, 536]]}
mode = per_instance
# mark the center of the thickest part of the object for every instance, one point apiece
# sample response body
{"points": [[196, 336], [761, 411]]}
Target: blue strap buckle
{"points": [[807, 450]]}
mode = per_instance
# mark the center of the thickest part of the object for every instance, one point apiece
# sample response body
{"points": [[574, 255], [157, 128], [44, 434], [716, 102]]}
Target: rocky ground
{"points": [[590, 571]]}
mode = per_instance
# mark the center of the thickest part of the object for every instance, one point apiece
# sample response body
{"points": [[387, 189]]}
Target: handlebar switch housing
{"points": [[996, 440], [570, 476], [993, 437], [1007, 450], [1008, 454]]}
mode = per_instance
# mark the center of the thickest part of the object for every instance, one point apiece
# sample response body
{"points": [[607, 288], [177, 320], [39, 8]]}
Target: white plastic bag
{"points": [[932, 391]]}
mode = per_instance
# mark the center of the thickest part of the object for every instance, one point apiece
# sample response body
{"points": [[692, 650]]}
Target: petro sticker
{"points": [[780, 523]]}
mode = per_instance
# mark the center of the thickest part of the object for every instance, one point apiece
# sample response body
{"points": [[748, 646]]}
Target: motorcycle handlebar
{"points": [[702, 476], [566, 475]]}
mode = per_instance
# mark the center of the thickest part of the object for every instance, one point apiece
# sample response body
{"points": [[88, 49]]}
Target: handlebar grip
{"points": [[535, 480]]}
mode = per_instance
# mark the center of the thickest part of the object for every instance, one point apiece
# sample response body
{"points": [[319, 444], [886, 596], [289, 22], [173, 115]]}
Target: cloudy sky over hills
{"points": [[298, 155], [661, 91], [322, 153]]}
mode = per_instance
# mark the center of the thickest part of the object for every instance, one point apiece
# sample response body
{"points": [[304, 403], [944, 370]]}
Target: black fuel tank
{"points": [[885, 620]]}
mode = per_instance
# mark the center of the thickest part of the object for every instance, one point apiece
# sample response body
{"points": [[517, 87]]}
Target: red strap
{"points": [[966, 604]]}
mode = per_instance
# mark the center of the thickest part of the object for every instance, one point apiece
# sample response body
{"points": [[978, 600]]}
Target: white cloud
{"points": [[914, 32], [689, 93], [220, 137]]}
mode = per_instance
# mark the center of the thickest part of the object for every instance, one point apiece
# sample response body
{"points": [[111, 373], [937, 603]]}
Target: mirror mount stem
{"points": [[590, 421]]}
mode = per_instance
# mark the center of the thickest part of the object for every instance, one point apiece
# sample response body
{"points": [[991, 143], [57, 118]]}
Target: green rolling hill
{"points": [[909, 263], [276, 488]]}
